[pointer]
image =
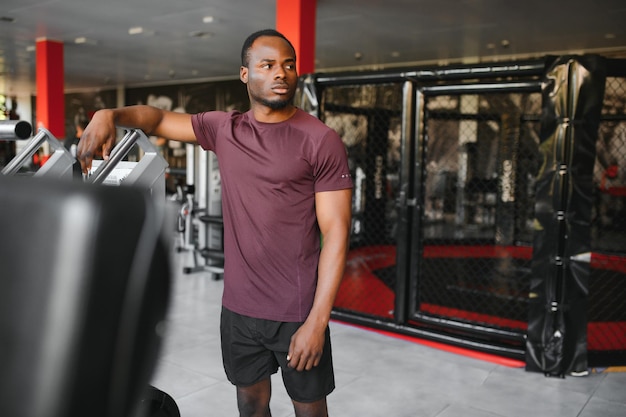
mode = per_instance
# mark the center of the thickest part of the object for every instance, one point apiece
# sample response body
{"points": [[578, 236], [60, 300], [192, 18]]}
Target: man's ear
{"points": [[243, 74]]}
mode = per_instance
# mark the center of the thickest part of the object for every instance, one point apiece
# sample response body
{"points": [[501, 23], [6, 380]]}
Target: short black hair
{"points": [[247, 44]]}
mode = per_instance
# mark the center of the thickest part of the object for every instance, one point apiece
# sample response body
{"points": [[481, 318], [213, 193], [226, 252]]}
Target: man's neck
{"points": [[265, 114]]}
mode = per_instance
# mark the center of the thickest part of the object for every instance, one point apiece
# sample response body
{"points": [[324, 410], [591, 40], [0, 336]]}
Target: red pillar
{"points": [[50, 87], [296, 20]]}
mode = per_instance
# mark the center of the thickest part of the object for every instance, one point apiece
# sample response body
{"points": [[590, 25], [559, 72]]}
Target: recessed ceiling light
{"points": [[207, 19], [395, 54], [82, 40], [609, 36], [30, 48], [135, 30]]}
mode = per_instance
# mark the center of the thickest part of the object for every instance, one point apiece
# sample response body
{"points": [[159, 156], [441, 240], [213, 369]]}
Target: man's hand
{"points": [[98, 138], [306, 347]]}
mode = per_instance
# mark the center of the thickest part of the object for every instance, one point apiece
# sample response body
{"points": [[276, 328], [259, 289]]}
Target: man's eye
{"points": [[266, 66]]}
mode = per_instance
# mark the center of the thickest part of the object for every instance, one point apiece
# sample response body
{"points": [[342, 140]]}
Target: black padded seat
{"points": [[85, 282]]}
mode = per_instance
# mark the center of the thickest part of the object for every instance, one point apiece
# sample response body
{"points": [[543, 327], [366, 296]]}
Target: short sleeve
{"points": [[206, 125], [331, 170]]}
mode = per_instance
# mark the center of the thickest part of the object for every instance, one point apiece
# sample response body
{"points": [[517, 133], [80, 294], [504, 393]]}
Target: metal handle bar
{"points": [[149, 172], [60, 161], [118, 153]]}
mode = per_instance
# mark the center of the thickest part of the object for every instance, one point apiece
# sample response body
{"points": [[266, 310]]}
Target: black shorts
{"points": [[254, 349]]}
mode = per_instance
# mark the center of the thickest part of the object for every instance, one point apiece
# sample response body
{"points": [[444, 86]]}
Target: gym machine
{"points": [[105, 320], [187, 231], [200, 218], [149, 172]]}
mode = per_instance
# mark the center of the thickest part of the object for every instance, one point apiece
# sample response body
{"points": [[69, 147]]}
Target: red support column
{"points": [[50, 87], [296, 20]]}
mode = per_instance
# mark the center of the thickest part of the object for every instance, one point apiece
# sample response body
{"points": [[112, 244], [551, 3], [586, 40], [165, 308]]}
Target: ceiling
{"points": [[189, 40]]}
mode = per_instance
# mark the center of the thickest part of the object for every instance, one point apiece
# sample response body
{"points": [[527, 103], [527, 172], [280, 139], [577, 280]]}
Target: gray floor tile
{"points": [[600, 407], [612, 387], [217, 400], [180, 382], [204, 359], [460, 410]]}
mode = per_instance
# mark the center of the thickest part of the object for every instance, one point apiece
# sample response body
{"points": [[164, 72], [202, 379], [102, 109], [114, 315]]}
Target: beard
{"points": [[277, 104]]}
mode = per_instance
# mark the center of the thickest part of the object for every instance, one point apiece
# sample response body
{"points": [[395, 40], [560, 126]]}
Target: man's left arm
{"points": [[334, 211]]}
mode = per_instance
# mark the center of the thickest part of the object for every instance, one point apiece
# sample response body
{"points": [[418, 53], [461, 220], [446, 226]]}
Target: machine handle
{"points": [[118, 153], [25, 155], [148, 172]]}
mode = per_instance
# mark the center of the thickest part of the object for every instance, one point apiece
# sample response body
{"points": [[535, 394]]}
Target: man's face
{"points": [[271, 74]]}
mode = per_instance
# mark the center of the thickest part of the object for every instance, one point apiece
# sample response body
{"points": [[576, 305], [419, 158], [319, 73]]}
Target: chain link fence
{"points": [[368, 118], [480, 161], [607, 283]]}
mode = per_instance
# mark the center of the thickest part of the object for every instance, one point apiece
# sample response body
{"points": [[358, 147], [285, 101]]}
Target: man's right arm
{"points": [[100, 133]]}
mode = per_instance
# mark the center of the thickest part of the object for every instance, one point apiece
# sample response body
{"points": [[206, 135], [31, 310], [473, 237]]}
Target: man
{"points": [[284, 179]]}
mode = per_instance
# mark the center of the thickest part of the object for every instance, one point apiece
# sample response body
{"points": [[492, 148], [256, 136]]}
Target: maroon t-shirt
{"points": [[270, 173]]}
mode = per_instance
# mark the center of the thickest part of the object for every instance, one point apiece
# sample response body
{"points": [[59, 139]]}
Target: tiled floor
{"points": [[376, 375]]}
